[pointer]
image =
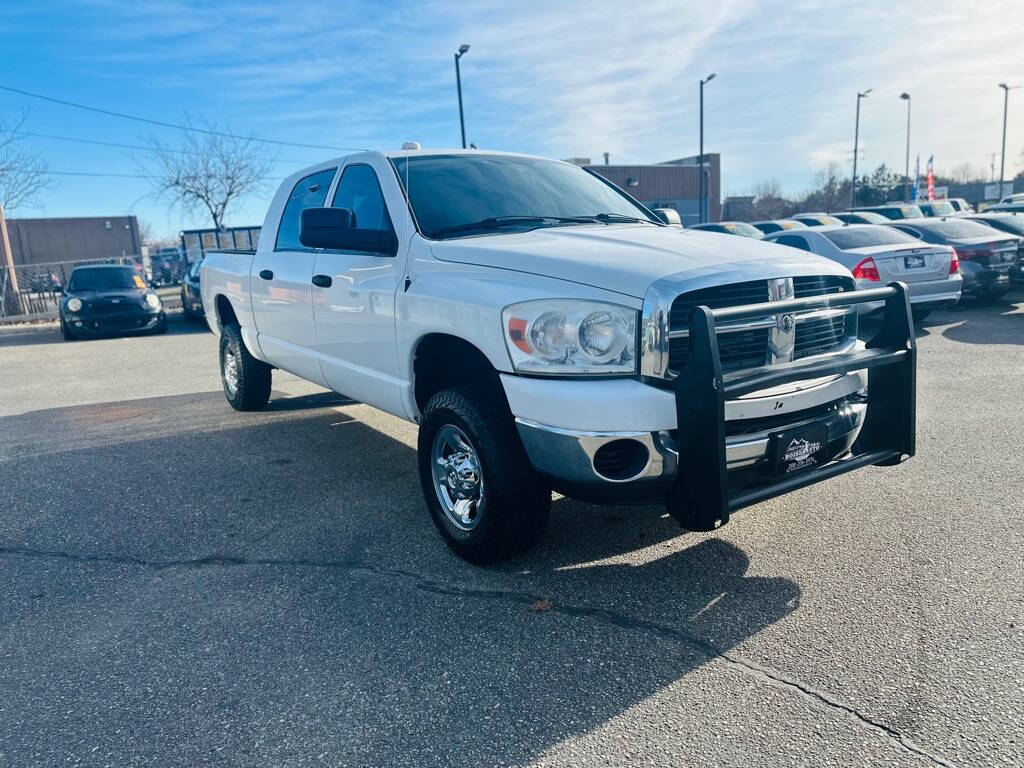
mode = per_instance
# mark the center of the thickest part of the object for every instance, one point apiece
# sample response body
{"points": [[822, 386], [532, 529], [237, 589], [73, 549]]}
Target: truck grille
{"points": [[819, 285], [819, 335], [749, 348]]}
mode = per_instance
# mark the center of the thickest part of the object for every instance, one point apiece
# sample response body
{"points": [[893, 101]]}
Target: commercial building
{"points": [[672, 184], [45, 241]]}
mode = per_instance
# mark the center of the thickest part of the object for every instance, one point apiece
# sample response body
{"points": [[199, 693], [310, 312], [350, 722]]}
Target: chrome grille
{"points": [[736, 349], [759, 342], [820, 285], [817, 335]]}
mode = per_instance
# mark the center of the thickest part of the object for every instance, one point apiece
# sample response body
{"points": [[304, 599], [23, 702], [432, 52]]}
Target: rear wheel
{"points": [[246, 380], [920, 314], [483, 494]]}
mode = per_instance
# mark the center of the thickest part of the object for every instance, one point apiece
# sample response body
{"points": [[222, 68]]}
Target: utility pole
{"points": [[458, 84], [9, 286], [856, 137], [906, 167], [700, 164], [1002, 158]]}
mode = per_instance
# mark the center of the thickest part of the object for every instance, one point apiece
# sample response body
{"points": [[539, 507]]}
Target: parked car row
{"points": [[939, 257]]}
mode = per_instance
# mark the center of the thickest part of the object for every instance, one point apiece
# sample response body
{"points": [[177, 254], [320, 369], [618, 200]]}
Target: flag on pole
{"points": [[931, 178], [917, 177]]}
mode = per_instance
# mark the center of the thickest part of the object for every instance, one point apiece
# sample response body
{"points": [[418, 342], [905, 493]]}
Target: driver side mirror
{"points": [[335, 229]]}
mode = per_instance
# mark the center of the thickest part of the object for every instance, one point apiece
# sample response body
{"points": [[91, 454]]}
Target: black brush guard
{"points": [[700, 498]]}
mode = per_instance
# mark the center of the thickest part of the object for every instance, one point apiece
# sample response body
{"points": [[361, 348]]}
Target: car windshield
{"points": [[938, 209], [103, 279], [959, 229], [741, 228], [857, 237], [902, 212], [1014, 224], [459, 195]]}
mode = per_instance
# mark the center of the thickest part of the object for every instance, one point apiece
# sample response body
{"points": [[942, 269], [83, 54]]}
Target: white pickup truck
{"points": [[548, 332]]}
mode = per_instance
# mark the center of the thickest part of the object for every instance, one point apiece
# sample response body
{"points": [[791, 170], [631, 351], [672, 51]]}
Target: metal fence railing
{"points": [[34, 290]]}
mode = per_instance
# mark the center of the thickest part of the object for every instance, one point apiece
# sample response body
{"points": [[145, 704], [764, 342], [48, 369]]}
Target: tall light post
{"points": [[856, 138], [700, 164], [906, 167], [458, 84], [1002, 157]]}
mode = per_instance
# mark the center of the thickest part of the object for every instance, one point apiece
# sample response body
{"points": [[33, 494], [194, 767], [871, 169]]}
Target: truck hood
{"points": [[628, 258]]}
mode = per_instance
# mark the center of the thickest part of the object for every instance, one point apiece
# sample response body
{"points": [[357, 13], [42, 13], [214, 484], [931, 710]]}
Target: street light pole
{"points": [[856, 138], [906, 167], [1002, 157], [700, 164], [458, 84]]}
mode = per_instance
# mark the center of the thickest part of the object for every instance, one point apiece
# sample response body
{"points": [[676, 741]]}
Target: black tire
{"points": [[252, 388], [515, 503], [66, 332], [920, 314]]}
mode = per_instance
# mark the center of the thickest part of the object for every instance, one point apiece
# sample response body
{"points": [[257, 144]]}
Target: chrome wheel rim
{"points": [[230, 371], [458, 479]]}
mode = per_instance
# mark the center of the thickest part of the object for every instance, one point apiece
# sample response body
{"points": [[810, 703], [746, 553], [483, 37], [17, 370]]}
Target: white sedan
{"points": [[877, 255]]}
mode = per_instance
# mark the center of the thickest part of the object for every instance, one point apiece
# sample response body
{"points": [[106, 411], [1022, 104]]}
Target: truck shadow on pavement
{"points": [[184, 581]]}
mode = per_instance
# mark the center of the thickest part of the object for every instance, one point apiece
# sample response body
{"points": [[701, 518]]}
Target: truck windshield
{"points": [[103, 279], [460, 195]]}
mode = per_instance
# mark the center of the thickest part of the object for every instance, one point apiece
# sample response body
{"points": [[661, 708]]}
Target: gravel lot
{"points": [[183, 584]]}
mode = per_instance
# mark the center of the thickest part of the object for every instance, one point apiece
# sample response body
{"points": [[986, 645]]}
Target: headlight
{"points": [[74, 304], [568, 336], [153, 301]]}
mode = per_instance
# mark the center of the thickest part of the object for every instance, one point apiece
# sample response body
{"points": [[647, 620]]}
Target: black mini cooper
{"points": [[109, 299]]}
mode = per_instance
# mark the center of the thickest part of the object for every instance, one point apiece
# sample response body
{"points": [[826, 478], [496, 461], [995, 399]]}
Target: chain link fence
{"points": [[34, 290]]}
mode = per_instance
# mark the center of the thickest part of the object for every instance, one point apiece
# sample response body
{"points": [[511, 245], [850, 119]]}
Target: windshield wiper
{"points": [[493, 222], [610, 217]]}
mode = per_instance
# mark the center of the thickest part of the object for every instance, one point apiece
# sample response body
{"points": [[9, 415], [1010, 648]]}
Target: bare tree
{"points": [[207, 172], [965, 173], [22, 172], [769, 202]]}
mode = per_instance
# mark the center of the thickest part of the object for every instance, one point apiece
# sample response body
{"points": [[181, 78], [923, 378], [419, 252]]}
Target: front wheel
{"points": [[246, 380], [483, 494], [920, 314]]}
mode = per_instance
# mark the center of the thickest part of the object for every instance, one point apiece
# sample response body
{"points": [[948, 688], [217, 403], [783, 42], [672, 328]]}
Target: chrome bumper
{"points": [[568, 455]]}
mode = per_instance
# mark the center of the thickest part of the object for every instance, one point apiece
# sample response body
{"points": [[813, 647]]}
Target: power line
{"points": [[130, 146], [178, 126], [122, 175]]}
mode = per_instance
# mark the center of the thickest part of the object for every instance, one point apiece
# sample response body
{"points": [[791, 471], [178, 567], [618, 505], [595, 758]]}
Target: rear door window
{"points": [[309, 192]]}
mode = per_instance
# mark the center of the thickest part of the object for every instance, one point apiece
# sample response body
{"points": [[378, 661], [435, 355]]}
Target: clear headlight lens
{"points": [[153, 301], [74, 304], [570, 336]]}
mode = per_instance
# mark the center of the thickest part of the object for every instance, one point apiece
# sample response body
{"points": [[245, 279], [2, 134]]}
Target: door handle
{"points": [[322, 281], [266, 274]]}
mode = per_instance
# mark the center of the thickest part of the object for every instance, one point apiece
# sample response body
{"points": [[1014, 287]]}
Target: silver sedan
{"points": [[877, 255]]}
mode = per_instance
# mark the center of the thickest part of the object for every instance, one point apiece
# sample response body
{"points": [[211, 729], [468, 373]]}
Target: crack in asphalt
{"points": [[764, 674]]}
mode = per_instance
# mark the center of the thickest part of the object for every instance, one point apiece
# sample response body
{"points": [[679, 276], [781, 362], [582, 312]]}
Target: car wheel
{"points": [[483, 494], [246, 380], [66, 332], [920, 314]]}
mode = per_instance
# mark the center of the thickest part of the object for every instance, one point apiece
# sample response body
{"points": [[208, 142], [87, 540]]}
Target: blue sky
{"points": [[557, 79]]}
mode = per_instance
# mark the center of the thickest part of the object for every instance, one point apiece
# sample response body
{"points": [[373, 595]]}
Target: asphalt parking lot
{"points": [[184, 584]]}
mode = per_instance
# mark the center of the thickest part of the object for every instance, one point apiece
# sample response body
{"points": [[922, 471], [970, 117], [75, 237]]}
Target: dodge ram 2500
{"points": [[548, 332]]}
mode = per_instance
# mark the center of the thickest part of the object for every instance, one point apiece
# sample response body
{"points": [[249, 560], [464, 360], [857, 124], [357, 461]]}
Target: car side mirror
{"points": [[335, 229]]}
